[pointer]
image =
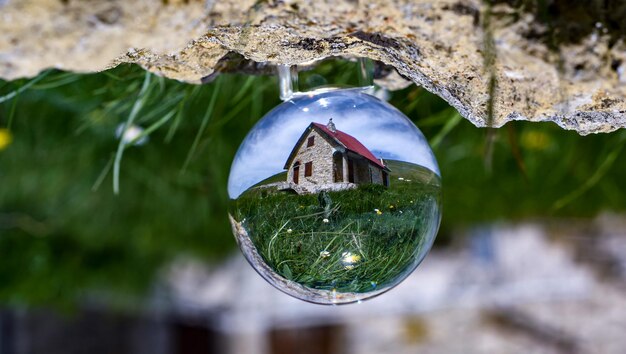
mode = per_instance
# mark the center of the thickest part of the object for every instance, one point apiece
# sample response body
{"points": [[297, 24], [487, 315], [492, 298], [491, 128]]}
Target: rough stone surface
{"points": [[312, 189], [319, 155], [436, 44]]}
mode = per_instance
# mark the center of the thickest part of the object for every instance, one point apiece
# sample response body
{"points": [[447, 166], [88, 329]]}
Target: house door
{"points": [[296, 172], [350, 171], [337, 167]]}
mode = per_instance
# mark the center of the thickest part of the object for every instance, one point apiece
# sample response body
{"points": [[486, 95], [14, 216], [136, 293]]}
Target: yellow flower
{"points": [[535, 140], [378, 212], [349, 260], [5, 138]]}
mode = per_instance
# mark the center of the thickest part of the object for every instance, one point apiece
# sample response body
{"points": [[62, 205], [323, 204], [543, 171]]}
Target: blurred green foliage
{"points": [[64, 233]]}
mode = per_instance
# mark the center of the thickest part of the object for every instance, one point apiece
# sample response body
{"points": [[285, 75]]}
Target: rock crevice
{"points": [[435, 44]]}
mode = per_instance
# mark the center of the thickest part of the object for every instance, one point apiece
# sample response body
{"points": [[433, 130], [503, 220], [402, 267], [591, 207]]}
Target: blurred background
{"points": [[530, 257]]}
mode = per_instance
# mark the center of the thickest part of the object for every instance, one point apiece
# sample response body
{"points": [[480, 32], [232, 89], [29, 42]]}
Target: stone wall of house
{"points": [[377, 174], [321, 154], [362, 171]]}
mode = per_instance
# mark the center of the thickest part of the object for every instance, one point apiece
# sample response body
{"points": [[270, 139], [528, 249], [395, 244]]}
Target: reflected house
{"points": [[325, 158]]}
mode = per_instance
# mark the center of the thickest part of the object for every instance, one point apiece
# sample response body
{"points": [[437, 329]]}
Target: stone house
{"points": [[327, 158]]}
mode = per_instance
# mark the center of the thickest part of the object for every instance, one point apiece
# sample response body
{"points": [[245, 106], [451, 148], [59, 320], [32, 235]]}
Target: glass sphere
{"points": [[335, 196]]}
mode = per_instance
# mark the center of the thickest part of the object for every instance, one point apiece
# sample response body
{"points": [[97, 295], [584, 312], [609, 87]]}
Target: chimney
{"points": [[331, 125]]}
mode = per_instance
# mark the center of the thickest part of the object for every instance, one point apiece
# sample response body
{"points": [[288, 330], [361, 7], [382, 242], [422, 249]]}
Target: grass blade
{"points": [[131, 117], [26, 86], [179, 117], [57, 81], [12, 113], [592, 181], [447, 128], [103, 174], [205, 120], [244, 89], [156, 125]]}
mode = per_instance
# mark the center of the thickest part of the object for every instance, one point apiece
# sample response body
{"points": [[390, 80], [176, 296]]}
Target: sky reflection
{"points": [[375, 123]]}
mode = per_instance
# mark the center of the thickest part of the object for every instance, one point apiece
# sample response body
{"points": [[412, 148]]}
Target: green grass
{"points": [[279, 177], [362, 240], [64, 233]]}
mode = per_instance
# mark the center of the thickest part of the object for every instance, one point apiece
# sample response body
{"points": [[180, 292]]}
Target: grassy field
{"points": [[350, 241]]}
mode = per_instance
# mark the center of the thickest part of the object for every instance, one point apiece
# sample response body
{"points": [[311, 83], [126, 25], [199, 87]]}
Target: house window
{"points": [[308, 169], [310, 142]]}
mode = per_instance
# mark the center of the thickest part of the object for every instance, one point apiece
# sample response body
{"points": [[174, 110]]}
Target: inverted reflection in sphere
{"points": [[335, 196]]}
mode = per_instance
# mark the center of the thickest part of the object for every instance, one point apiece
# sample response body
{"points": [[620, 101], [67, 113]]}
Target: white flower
{"points": [[408, 180], [324, 254], [130, 134], [326, 221], [400, 179], [289, 231]]}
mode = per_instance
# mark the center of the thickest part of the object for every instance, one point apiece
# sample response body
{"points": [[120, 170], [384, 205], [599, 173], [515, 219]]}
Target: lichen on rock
{"points": [[439, 45]]}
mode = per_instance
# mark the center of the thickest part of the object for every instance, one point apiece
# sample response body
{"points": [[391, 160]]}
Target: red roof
{"points": [[351, 143]]}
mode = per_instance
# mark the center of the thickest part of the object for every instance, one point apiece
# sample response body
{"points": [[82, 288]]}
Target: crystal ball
{"points": [[335, 196]]}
